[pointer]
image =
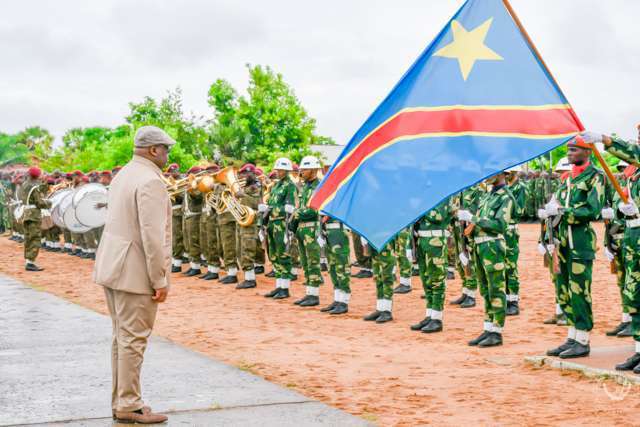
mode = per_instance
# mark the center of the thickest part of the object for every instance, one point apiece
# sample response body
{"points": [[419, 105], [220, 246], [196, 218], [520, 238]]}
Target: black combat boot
{"points": [[555, 352], [385, 316], [340, 308], [630, 363], [421, 324], [468, 302], [312, 301], [576, 350], [247, 284], [492, 340], [363, 274], [372, 316], [329, 307], [479, 339], [435, 325], [228, 280], [402, 289], [281, 294]]}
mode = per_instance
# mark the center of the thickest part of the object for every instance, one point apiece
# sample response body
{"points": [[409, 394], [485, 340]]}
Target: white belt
{"points": [[433, 233], [485, 239], [333, 226], [618, 236], [29, 206], [176, 207], [513, 227], [307, 224], [633, 223]]}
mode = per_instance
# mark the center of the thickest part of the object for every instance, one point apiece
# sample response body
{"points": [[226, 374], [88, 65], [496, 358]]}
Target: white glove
{"points": [[592, 137], [552, 208], [542, 214], [463, 259], [261, 235], [262, 207], [409, 253], [629, 209], [464, 215], [607, 253], [551, 248], [286, 238], [363, 241], [321, 241], [607, 213], [289, 209], [541, 249]]}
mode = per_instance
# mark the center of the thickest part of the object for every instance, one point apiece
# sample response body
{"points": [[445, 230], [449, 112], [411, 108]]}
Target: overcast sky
{"points": [[78, 63]]}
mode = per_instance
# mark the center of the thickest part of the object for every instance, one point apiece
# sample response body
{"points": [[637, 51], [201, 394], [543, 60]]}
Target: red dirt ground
{"points": [[386, 373]]}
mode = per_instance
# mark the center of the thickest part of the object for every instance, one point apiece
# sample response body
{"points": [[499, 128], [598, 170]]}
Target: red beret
{"points": [[105, 173], [248, 167], [172, 167], [78, 173], [68, 175], [213, 167], [35, 172], [85, 178], [273, 174], [51, 181], [295, 167], [259, 172], [195, 169], [579, 142]]}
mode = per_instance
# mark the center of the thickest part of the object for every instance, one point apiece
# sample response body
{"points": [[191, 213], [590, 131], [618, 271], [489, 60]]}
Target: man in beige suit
{"points": [[133, 264]]}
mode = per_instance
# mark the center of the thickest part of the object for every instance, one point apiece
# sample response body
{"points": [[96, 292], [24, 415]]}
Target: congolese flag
{"points": [[477, 101]]}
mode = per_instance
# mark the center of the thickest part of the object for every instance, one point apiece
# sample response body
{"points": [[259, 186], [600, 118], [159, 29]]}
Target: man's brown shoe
{"points": [[141, 416]]}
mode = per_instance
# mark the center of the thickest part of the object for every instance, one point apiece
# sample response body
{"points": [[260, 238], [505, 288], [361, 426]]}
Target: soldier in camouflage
{"points": [[629, 152], [512, 239], [278, 211], [432, 254], [488, 228], [250, 197], [363, 257], [32, 195], [193, 202], [336, 243], [177, 243], [578, 202], [404, 261], [306, 224], [383, 263]]}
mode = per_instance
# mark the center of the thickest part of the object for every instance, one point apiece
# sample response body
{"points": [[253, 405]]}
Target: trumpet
{"points": [[56, 187], [243, 215], [177, 186]]}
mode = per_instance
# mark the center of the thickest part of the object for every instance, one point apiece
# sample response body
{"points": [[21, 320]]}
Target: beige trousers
{"points": [[132, 317]]}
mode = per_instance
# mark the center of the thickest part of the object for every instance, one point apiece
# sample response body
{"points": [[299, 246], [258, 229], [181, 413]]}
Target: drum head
{"points": [[86, 189], [71, 222], [58, 195], [18, 212], [86, 211]]}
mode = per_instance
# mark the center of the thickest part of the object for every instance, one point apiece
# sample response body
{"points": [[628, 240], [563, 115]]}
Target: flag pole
{"points": [[594, 149]]}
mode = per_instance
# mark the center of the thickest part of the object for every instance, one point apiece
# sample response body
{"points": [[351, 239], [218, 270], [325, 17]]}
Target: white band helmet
{"points": [[283, 164], [310, 162]]}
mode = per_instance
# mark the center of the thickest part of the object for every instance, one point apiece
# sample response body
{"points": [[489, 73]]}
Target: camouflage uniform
{"points": [[177, 242], [582, 198], [227, 226], [362, 258], [383, 263], [490, 252], [308, 230], [433, 256], [470, 198], [512, 239], [33, 198], [631, 240], [404, 263], [283, 193], [338, 253], [249, 235], [193, 201], [4, 217]]}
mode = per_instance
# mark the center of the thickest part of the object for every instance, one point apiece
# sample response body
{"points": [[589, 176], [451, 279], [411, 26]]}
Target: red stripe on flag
{"points": [[549, 122]]}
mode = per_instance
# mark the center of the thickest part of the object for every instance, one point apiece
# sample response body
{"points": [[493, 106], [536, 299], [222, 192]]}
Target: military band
{"points": [[227, 221]]}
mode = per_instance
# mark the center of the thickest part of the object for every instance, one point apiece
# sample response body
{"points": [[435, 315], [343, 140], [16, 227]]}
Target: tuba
{"points": [[243, 215]]}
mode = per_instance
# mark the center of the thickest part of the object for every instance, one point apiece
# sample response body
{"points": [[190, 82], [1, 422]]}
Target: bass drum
{"points": [[87, 189], [57, 213], [56, 199], [71, 223], [86, 211], [18, 213]]}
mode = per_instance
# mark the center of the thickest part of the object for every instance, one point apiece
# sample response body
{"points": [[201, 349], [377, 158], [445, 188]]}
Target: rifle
{"points": [[551, 257], [464, 247]]}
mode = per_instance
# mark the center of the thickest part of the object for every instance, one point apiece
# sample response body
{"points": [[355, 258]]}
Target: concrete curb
{"points": [[587, 371]]}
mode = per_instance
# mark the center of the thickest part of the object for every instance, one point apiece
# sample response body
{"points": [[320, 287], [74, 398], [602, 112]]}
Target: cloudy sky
{"points": [[78, 63]]}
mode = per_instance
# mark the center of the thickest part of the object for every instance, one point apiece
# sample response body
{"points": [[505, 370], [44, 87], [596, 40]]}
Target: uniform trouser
{"points": [[249, 245], [310, 254], [177, 242], [99, 232], [132, 319], [490, 272], [338, 253], [383, 263], [574, 289], [295, 254], [205, 248], [451, 253], [467, 274], [214, 252], [432, 262], [281, 260], [68, 239], [358, 248], [32, 237], [192, 225], [228, 240], [401, 246], [512, 239], [90, 241], [260, 254], [631, 251], [621, 274]]}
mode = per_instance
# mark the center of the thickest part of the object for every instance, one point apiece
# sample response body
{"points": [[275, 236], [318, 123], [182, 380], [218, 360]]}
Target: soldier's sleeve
{"points": [[38, 199], [624, 150], [592, 208], [306, 213], [500, 222], [291, 196]]}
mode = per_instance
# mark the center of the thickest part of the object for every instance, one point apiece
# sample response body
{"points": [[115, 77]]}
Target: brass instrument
{"points": [[56, 187], [243, 215], [177, 186]]}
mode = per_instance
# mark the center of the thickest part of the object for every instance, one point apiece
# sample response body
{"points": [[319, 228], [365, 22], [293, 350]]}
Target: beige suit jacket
{"points": [[135, 250]]}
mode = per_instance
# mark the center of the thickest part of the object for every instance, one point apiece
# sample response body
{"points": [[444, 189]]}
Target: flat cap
{"points": [[148, 136]]}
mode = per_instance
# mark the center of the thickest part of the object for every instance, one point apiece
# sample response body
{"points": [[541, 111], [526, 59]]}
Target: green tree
{"points": [[11, 151]]}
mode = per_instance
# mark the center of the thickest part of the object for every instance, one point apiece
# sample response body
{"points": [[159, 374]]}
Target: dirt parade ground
{"points": [[386, 373]]}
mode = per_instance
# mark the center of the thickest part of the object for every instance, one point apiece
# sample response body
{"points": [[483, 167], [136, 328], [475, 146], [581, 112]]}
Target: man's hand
{"points": [[100, 205], [552, 208], [262, 208], [542, 214], [629, 209], [608, 254], [464, 215], [592, 137], [161, 294], [607, 213]]}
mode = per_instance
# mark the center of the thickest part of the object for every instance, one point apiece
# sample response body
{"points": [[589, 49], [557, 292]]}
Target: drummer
{"points": [[104, 179], [68, 240], [51, 235], [32, 195]]}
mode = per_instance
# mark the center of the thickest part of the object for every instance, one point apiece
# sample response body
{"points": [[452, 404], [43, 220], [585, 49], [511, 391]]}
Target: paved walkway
{"points": [[55, 370]]}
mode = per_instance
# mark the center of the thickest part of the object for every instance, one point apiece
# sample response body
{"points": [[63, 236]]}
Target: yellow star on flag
{"points": [[468, 46]]}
